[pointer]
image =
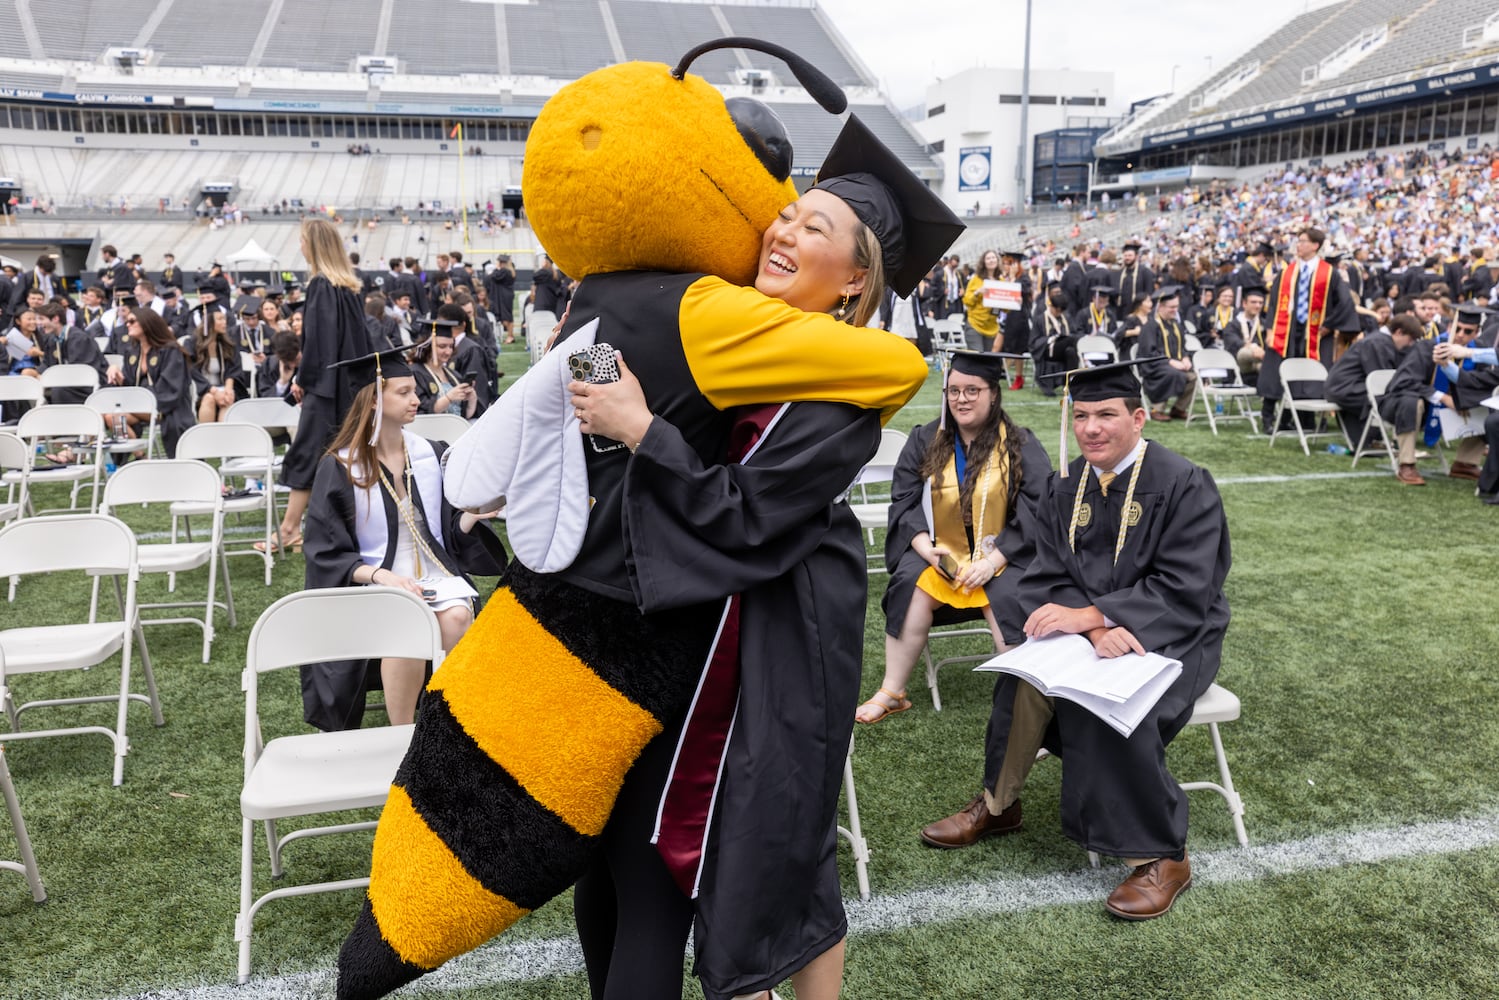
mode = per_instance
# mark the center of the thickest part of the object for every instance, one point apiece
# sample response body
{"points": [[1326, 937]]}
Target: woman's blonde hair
{"points": [[326, 255], [359, 423], [869, 256]]}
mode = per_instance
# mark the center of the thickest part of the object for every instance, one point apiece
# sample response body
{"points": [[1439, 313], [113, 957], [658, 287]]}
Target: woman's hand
{"points": [[115, 377], [616, 410], [975, 575], [394, 580]]}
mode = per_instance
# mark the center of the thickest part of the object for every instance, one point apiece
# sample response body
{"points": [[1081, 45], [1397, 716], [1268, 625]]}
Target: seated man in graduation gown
{"points": [[1422, 384], [1131, 551], [1372, 352], [1053, 343], [1166, 366]]}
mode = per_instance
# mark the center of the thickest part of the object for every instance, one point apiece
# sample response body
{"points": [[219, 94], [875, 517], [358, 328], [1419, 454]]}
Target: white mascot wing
{"points": [[526, 452]]}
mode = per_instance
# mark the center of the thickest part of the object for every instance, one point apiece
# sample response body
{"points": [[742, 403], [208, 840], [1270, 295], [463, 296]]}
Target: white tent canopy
{"points": [[255, 257]]}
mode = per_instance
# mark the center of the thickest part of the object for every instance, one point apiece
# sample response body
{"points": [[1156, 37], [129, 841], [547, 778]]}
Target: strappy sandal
{"points": [[279, 545], [897, 703]]}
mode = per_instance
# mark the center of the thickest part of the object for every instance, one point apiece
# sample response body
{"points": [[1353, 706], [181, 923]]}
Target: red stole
{"points": [[687, 802], [1285, 311]]}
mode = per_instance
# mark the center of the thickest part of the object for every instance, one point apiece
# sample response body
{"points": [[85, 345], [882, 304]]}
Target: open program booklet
{"points": [[1120, 691]]}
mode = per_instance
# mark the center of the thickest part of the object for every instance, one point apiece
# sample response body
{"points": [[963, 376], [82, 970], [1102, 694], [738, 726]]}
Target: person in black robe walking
{"points": [[333, 330], [1132, 551]]}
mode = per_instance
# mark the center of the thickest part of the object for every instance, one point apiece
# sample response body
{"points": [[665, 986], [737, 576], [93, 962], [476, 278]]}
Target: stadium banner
{"points": [[1410, 90], [974, 166]]}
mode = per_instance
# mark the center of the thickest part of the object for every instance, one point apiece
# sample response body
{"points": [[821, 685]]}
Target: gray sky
{"points": [[909, 45]]}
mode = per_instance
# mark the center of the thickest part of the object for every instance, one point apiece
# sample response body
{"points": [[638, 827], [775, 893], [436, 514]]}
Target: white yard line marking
{"points": [[513, 960]]}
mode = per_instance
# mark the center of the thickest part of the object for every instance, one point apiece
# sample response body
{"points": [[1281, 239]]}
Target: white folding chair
{"points": [[13, 458], [103, 343], [172, 481], [273, 414], [947, 337], [114, 403], [27, 865], [1094, 350], [955, 631], [251, 370], [99, 546], [1191, 344], [444, 427], [854, 832], [1376, 384], [70, 377], [874, 515], [20, 389], [316, 773], [82, 429], [539, 323], [226, 441], [1219, 380], [112, 360], [1217, 704], [1302, 370]]}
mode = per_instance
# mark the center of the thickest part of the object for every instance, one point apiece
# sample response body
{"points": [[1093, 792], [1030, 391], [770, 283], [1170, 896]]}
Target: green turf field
{"points": [[1362, 647]]}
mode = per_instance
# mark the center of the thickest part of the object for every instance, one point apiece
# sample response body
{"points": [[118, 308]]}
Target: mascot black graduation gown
{"points": [[656, 195]]}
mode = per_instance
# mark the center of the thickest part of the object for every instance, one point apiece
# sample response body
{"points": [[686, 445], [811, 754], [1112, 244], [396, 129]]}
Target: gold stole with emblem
{"points": [[990, 510]]}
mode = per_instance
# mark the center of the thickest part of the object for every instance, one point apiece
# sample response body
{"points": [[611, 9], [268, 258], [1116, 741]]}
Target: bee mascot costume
{"points": [[645, 183]]}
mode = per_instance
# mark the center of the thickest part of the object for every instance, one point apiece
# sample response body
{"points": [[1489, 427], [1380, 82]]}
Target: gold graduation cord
{"points": [[1098, 317], [1129, 498], [1166, 340], [408, 510]]}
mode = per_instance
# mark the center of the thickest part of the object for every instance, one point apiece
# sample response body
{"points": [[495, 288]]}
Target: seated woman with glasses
{"points": [[963, 500], [154, 359]]}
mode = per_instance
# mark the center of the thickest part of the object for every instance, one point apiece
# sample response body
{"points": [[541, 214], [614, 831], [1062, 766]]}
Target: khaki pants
{"points": [[1248, 363], [1469, 449]]}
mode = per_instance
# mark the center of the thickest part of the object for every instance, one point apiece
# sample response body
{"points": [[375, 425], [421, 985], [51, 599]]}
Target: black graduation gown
{"points": [[907, 520], [428, 389], [332, 330], [1075, 285], [474, 363], [233, 370], [168, 375], [1345, 380], [74, 347], [1162, 382], [1053, 348], [500, 285], [1135, 283], [1402, 402], [1339, 316], [1118, 798], [768, 530], [333, 693], [1084, 326], [1015, 324]]}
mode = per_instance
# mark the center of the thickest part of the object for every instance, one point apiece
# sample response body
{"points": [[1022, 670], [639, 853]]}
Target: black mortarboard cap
{"points": [[1014, 254], [1112, 381], [424, 326], [1333, 256], [1263, 249], [983, 364], [248, 304], [1134, 245], [911, 223], [170, 292], [1167, 292], [1104, 289], [1472, 314], [127, 299], [386, 364], [1253, 290]]}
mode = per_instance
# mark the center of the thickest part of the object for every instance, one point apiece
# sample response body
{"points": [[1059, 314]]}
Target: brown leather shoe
{"points": [[1177, 413], [1408, 475], [1149, 890], [1159, 415], [1464, 470], [972, 824]]}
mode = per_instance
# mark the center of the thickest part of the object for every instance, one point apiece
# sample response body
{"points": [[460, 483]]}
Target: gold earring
{"points": [[844, 307]]}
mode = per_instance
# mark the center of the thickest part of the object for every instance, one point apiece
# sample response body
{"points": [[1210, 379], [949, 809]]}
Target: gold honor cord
{"points": [[408, 513], [1129, 499]]}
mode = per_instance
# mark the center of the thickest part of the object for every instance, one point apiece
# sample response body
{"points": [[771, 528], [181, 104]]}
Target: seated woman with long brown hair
{"points": [[154, 359], [377, 515], [962, 509], [216, 367]]}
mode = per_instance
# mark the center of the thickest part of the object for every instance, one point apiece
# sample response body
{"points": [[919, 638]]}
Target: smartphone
{"points": [[596, 364], [948, 567]]}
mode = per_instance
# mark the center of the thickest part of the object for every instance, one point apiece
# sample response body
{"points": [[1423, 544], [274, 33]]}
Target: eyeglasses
{"points": [[132, 321], [968, 392]]}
